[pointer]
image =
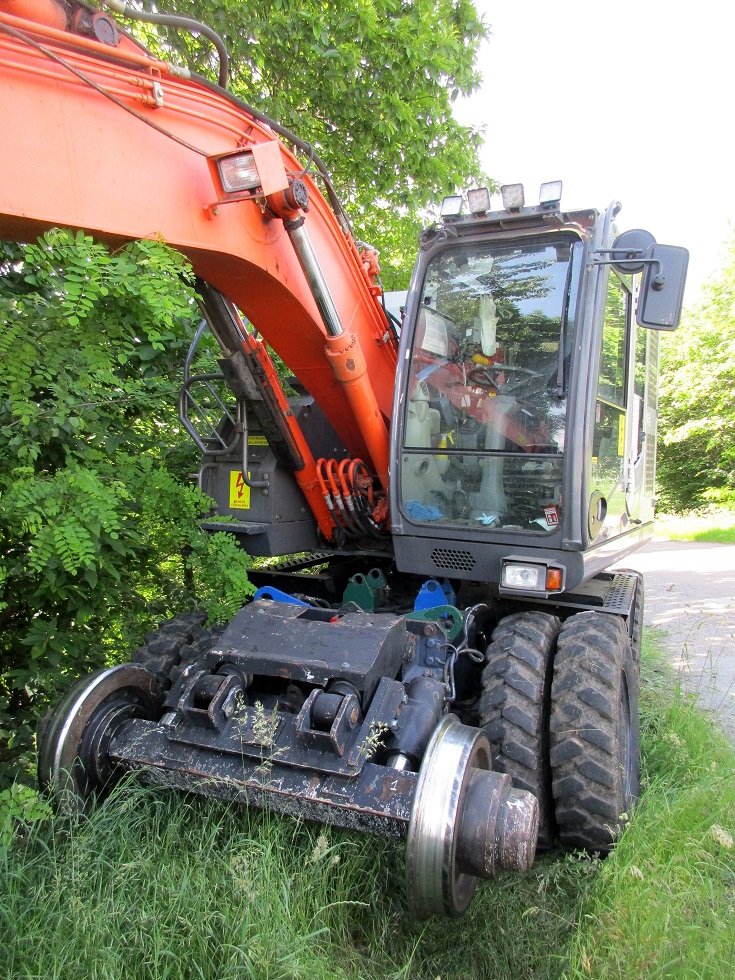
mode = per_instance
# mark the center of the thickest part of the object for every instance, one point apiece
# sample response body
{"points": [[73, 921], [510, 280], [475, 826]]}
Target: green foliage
{"points": [[713, 524], [20, 806], [99, 515], [662, 904], [369, 85], [221, 567], [697, 455]]}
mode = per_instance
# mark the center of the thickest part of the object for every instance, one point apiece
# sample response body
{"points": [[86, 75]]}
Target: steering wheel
{"points": [[480, 373]]}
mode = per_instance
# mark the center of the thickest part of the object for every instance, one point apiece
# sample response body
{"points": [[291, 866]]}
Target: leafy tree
{"points": [[98, 512], [369, 85], [697, 454], [98, 531]]}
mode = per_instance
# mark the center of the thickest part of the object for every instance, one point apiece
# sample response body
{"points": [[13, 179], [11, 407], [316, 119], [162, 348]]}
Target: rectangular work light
{"points": [[248, 172], [512, 194], [550, 193], [238, 172], [478, 200], [451, 206]]}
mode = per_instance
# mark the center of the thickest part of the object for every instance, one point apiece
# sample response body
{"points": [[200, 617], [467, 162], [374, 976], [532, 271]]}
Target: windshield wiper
{"points": [[560, 378]]}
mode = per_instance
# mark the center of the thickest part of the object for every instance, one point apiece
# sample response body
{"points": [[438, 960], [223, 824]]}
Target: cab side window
{"points": [[608, 444], [611, 386]]}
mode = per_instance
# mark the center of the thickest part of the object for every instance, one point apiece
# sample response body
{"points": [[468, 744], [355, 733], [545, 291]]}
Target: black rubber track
{"points": [[514, 706], [176, 643], [595, 753]]}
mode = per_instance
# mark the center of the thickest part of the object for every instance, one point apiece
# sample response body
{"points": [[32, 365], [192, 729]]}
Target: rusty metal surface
{"points": [[377, 800], [498, 826], [265, 737], [313, 646]]}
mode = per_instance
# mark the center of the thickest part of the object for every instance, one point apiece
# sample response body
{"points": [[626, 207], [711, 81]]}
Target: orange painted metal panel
{"points": [[72, 157]]}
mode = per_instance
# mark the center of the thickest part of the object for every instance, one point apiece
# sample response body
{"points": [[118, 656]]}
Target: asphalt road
{"points": [[690, 598]]}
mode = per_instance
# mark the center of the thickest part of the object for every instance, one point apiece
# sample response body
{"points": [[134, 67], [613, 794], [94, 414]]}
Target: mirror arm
{"points": [[598, 258]]}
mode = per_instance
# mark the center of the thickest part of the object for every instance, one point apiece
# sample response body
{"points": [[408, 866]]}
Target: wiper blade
{"points": [[560, 372]]}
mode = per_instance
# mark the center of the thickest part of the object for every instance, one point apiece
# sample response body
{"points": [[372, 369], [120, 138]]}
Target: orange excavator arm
{"points": [[102, 136]]}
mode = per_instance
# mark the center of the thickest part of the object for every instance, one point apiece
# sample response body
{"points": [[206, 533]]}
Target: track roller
{"points": [[467, 822]]}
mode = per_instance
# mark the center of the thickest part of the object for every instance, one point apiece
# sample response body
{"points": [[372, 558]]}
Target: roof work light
{"points": [[478, 200], [451, 206], [550, 193], [512, 194]]}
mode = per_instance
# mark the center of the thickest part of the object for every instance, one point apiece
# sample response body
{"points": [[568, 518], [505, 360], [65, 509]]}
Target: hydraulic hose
{"points": [[185, 23]]}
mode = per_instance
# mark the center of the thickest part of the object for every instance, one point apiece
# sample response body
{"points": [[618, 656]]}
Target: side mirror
{"points": [[662, 290], [628, 251]]}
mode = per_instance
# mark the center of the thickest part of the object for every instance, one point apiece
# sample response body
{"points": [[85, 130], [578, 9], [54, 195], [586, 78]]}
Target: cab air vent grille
{"points": [[452, 559]]}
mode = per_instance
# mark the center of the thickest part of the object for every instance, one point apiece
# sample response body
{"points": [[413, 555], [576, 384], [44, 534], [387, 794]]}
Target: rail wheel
{"points": [[434, 883], [73, 765], [514, 706], [467, 822], [595, 752]]}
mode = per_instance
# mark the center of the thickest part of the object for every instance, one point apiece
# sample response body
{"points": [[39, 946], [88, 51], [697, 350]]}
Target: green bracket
{"points": [[366, 591], [448, 617]]}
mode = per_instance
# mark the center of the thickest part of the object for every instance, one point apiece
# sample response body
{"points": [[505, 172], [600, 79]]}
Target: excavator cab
{"points": [[524, 421]]}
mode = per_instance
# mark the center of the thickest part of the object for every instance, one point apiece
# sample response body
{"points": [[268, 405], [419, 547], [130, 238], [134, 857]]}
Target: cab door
{"points": [[611, 454], [641, 465]]}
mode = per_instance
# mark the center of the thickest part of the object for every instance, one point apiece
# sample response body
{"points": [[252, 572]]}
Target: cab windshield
{"points": [[485, 418]]}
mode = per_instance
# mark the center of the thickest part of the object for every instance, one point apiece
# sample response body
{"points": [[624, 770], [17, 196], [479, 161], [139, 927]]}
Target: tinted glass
{"points": [[485, 421]]}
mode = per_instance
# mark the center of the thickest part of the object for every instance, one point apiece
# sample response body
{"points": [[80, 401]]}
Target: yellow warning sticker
{"points": [[239, 492], [621, 435], [257, 441]]}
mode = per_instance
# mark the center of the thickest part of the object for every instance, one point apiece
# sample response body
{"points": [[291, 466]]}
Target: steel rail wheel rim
{"points": [[62, 741], [434, 885]]}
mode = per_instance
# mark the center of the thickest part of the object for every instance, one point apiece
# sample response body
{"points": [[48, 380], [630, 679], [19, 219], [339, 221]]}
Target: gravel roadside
{"points": [[690, 598]]}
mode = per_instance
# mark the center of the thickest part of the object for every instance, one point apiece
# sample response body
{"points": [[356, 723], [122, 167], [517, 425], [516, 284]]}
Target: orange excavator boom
{"points": [[103, 136]]}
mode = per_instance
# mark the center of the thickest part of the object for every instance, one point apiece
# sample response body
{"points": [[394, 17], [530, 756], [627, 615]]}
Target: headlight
{"points": [[238, 172], [519, 575], [527, 578]]}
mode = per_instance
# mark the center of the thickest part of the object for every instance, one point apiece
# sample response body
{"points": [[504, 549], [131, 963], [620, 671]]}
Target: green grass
{"points": [[161, 886], [714, 525], [154, 885], [663, 903]]}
